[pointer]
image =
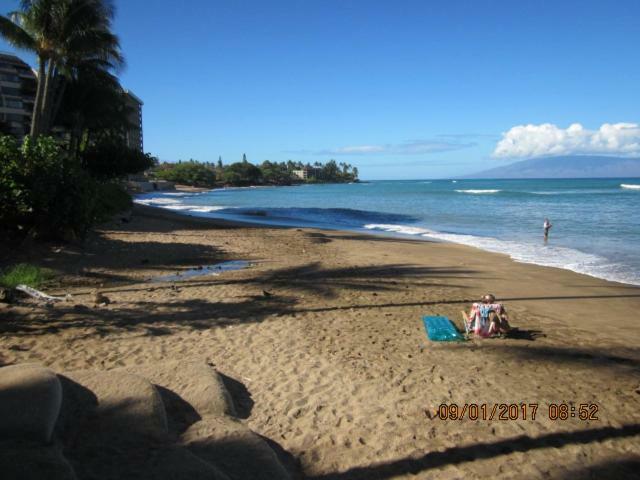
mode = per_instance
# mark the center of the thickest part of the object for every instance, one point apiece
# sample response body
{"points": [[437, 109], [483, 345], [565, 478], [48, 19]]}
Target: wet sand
{"points": [[323, 338]]}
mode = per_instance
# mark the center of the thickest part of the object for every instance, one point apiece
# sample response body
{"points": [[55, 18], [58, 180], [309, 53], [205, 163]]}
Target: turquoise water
{"points": [[596, 222]]}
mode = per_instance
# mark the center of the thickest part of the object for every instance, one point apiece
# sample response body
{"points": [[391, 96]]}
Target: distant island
{"points": [[576, 166], [245, 173]]}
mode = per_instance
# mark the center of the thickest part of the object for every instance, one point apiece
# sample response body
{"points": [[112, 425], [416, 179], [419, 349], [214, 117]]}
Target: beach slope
{"points": [[321, 343]]}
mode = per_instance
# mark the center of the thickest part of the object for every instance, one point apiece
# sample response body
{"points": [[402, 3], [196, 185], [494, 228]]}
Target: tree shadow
{"points": [[147, 318], [154, 318], [480, 451], [328, 237], [100, 257], [463, 301], [312, 278], [569, 297], [627, 469], [114, 255], [600, 358]]}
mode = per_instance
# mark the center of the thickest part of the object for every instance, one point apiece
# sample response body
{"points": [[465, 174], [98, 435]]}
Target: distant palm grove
{"points": [[244, 173]]}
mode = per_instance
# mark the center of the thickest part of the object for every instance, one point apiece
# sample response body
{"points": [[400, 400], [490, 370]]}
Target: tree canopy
{"points": [[67, 36], [245, 173]]}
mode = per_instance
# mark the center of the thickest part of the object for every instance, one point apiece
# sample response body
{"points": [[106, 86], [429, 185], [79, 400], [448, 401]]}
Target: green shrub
{"points": [[46, 193], [277, 173], [12, 193], [111, 199], [26, 274], [109, 160], [188, 173], [242, 173]]}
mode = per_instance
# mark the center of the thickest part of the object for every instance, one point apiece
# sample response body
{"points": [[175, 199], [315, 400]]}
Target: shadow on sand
{"points": [[479, 451]]}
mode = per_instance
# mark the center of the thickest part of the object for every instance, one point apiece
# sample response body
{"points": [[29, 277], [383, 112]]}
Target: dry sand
{"points": [[335, 366]]}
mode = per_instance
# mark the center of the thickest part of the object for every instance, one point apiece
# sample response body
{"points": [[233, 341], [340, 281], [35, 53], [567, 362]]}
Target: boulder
{"points": [[181, 464], [195, 382], [30, 399], [234, 448], [24, 461], [116, 406]]}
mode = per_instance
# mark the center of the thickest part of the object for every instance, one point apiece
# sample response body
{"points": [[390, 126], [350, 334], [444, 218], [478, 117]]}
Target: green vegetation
{"points": [[67, 37], [242, 173], [45, 192], [274, 173], [24, 274], [61, 187], [245, 173], [111, 159], [188, 173]]}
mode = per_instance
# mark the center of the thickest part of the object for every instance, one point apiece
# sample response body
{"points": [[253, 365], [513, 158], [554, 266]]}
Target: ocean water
{"points": [[596, 222]]}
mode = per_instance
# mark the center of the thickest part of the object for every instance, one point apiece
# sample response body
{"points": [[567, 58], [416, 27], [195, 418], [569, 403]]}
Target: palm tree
{"points": [[65, 35], [93, 108]]}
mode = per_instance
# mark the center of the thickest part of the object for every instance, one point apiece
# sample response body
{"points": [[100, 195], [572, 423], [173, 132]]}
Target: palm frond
{"points": [[15, 35]]}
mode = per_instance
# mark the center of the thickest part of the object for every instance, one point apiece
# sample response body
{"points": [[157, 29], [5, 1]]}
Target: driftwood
{"points": [[38, 295], [5, 295]]}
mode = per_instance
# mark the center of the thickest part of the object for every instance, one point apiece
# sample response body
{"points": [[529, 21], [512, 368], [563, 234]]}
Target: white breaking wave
{"points": [[538, 254], [630, 186], [176, 204], [193, 208], [180, 194], [478, 192], [157, 201], [399, 229]]}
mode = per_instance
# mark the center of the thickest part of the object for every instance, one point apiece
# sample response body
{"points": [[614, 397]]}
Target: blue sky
{"points": [[401, 89]]}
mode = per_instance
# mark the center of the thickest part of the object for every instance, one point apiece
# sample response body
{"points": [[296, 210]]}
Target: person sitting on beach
{"points": [[487, 318]]}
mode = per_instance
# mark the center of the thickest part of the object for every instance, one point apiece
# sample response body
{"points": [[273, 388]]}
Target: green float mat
{"points": [[441, 329]]}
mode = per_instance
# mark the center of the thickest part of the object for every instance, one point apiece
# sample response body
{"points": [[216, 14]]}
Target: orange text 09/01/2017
{"points": [[517, 411]]}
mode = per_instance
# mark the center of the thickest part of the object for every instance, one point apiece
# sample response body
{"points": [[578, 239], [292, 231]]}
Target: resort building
{"points": [[306, 173], [17, 94], [301, 174], [18, 83], [133, 136]]}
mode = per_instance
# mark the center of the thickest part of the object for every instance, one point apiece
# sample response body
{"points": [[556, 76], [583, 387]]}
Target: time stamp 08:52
{"points": [[517, 411]]}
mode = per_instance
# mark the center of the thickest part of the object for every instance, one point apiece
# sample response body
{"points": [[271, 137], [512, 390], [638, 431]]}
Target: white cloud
{"points": [[414, 147], [622, 139], [360, 149]]}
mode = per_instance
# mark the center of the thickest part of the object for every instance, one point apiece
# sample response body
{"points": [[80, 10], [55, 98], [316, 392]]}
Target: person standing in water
{"points": [[547, 226]]}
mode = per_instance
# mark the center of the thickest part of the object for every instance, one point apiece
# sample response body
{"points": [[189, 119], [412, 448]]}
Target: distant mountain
{"points": [[566, 167]]}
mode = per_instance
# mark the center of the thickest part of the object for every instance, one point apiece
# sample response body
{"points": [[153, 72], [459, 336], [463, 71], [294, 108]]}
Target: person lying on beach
{"points": [[487, 318]]}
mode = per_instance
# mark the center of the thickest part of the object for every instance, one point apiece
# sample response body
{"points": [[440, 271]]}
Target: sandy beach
{"points": [[322, 337]]}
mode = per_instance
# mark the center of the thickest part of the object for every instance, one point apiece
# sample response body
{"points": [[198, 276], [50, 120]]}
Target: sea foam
{"points": [[478, 192], [538, 254]]}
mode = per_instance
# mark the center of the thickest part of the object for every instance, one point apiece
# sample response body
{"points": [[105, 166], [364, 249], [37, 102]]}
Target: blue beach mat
{"points": [[440, 329]]}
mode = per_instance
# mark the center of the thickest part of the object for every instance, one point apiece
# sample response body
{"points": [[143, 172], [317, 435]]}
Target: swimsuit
{"points": [[478, 321]]}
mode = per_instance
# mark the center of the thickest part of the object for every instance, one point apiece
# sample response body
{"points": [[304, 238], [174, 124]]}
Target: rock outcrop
{"points": [[30, 400], [170, 421]]}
